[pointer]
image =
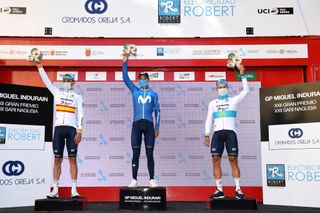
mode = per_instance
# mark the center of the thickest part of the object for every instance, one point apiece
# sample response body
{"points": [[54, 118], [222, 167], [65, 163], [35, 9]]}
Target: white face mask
{"points": [[223, 91], [67, 85]]}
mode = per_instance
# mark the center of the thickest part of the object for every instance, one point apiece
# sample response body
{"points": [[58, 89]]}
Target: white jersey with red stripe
{"points": [[223, 110], [68, 104]]}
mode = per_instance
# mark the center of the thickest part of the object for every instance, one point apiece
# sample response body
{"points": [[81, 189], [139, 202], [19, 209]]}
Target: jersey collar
{"points": [[225, 97]]}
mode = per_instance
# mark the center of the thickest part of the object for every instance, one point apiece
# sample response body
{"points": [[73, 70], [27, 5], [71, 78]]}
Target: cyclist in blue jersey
{"points": [[223, 111], [145, 102]]}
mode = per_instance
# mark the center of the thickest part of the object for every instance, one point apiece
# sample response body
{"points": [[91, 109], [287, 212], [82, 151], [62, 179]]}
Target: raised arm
{"points": [[46, 80], [245, 86], [125, 75]]}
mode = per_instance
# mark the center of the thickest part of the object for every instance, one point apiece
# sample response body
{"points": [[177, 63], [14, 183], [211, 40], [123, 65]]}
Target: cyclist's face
{"points": [[221, 86], [142, 77], [69, 81]]}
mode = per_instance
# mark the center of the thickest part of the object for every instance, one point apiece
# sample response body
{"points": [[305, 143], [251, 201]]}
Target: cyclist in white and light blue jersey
{"points": [[223, 111]]}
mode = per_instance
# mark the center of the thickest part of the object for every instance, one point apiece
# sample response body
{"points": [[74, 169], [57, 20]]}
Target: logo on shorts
{"points": [[276, 175]]}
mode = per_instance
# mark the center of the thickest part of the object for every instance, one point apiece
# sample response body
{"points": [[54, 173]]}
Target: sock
{"points": [[74, 186], [237, 182], [55, 185], [219, 184]]}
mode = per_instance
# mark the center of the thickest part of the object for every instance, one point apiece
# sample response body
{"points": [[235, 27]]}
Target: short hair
{"points": [[145, 74]]}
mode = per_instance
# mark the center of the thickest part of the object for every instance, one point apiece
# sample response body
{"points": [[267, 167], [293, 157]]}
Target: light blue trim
{"points": [[226, 113], [244, 76], [225, 97]]}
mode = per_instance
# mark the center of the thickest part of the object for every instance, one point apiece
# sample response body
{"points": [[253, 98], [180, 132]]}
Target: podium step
{"points": [[232, 203], [143, 198], [60, 204]]}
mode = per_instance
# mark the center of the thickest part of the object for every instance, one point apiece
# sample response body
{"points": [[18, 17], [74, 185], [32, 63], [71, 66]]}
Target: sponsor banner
{"points": [[60, 75], [296, 103], [286, 172], [96, 76], [105, 153], [79, 52], [174, 18], [31, 106], [184, 76], [215, 76], [294, 136], [250, 75], [24, 137], [156, 76], [25, 175], [118, 76]]}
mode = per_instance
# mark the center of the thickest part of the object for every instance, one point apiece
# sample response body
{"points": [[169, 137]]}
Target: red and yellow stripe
{"points": [[63, 108]]}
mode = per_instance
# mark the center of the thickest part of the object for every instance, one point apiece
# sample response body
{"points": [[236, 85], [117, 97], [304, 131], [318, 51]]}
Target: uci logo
{"points": [[13, 168], [96, 6], [295, 133]]}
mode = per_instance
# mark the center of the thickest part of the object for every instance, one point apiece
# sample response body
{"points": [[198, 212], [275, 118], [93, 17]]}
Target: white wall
{"points": [[229, 19]]}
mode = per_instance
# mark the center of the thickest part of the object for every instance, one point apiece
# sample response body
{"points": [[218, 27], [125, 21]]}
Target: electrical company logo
{"points": [[276, 175], [3, 135], [169, 11]]}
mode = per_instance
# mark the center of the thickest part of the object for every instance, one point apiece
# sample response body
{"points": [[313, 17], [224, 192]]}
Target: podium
{"points": [[61, 204], [143, 198], [232, 203]]}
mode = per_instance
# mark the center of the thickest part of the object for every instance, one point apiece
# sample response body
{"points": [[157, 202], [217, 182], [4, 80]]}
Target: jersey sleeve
{"points": [[245, 90], [126, 78], [80, 105], [157, 111], [209, 119], [45, 79]]}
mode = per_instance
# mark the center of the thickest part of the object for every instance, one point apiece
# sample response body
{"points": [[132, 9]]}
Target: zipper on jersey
{"points": [[144, 98], [65, 104]]}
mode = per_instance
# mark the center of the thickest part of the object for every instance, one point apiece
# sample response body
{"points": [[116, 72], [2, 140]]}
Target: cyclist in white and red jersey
{"points": [[68, 128], [223, 111]]}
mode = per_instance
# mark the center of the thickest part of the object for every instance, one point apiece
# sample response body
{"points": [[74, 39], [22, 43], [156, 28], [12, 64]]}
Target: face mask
{"points": [[143, 83], [223, 91], [67, 85]]}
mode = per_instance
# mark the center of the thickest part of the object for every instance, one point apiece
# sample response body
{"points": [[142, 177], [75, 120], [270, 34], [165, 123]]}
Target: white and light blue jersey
{"points": [[145, 101], [223, 110]]}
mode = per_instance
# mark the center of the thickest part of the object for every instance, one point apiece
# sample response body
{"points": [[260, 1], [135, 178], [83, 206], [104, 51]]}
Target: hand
{"points": [[156, 132], [125, 55], [242, 70], [77, 138], [39, 65], [206, 141]]}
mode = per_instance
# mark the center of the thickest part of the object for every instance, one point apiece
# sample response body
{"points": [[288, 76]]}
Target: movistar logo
{"points": [[142, 100]]}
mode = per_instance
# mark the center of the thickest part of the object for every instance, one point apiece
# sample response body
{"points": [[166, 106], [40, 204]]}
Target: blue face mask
{"points": [[143, 83]]}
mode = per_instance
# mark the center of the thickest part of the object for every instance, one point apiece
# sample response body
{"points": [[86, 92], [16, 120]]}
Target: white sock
{"points": [[219, 184], [74, 186], [55, 185], [237, 182]]}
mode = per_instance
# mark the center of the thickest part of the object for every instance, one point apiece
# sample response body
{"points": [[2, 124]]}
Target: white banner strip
{"points": [[158, 52]]}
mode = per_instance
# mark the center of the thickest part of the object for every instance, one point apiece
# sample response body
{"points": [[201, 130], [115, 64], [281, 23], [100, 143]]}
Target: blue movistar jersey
{"points": [[145, 101]]}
